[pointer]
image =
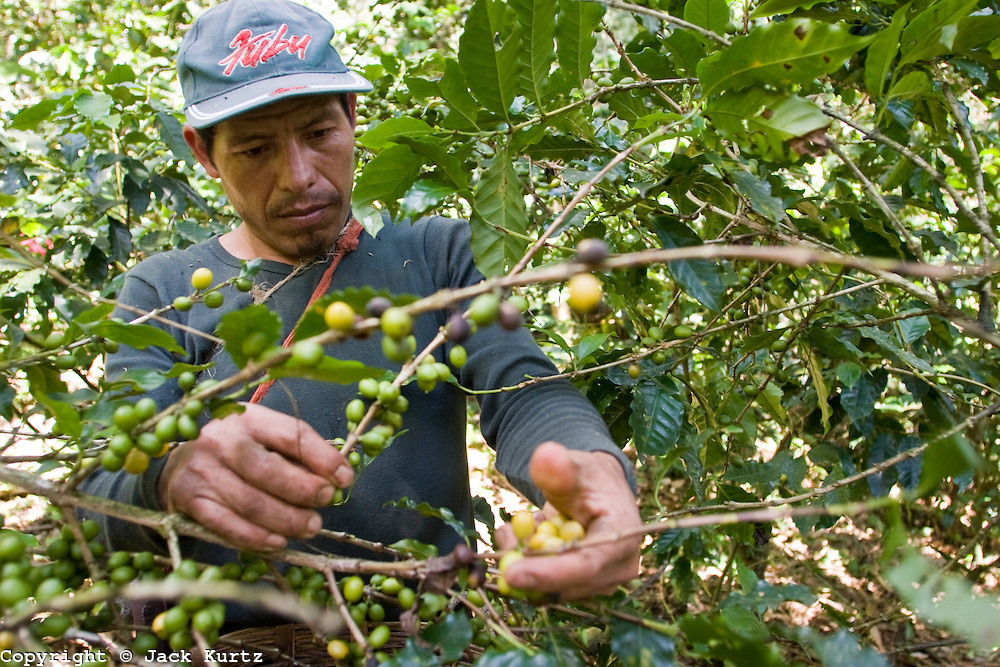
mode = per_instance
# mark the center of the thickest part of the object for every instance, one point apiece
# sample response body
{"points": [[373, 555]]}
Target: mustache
{"points": [[299, 205]]}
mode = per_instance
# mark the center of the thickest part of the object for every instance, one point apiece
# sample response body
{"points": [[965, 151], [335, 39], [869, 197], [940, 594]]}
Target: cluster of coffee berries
{"points": [[29, 583], [67, 352], [391, 405], [549, 536], [586, 291], [201, 280], [398, 341], [136, 441], [194, 614]]}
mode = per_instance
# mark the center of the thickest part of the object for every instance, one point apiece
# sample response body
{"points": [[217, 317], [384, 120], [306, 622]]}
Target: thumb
{"points": [[557, 475]]}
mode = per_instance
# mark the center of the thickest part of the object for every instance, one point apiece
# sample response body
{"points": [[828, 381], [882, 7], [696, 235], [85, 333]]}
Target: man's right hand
{"points": [[254, 478]]}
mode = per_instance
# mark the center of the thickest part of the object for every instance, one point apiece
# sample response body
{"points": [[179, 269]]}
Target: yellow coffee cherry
{"points": [[585, 292], [338, 649], [571, 531], [523, 524], [201, 278], [547, 527], [339, 316], [136, 462], [537, 541]]}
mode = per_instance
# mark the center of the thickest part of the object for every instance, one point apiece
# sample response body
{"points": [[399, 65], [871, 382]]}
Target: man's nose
{"points": [[297, 173]]}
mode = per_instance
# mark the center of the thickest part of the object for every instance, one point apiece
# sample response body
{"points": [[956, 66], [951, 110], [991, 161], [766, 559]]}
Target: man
{"points": [[271, 113]]}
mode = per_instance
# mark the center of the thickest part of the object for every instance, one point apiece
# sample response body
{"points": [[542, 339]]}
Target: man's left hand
{"points": [[590, 487]]}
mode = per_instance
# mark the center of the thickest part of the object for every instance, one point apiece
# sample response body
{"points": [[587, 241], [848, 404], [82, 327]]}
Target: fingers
{"points": [[591, 488], [297, 441], [254, 478], [576, 574]]}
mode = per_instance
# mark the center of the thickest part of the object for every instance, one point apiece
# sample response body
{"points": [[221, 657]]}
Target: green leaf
{"points": [[422, 197], [848, 373], [588, 345], [29, 117], [236, 326], [67, 416], [456, 94], [859, 399], [499, 222], [415, 548], [392, 130], [576, 42], [770, 398], [842, 650], [948, 458], [442, 513], [922, 38], [493, 657], [913, 328], [537, 55], [889, 344], [759, 194], [700, 278], [797, 51], [413, 655], [815, 367], [637, 646], [947, 600], [451, 635], [138, 336], [329, 369], [172, 134], [95, 106], [657, 416], [772, 7], [709, 14], [760, 596], [763, 121], [489, 54], [882, 53], [744, 623], [120, 73], [914, 84], [387, 177]]}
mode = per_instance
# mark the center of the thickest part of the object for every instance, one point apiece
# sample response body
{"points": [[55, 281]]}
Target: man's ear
{"points": [[352, 105], [200, 150]]}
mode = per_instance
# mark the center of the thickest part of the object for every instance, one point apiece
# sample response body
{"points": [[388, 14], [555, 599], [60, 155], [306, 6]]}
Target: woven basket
{"points": [[296, 646]]}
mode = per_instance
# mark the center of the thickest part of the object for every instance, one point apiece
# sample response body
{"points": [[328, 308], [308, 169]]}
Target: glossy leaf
{"points": [[489, 54], [657, 417], [882, 53], [779, 54], [709, 14], [924, 37], [947, 600], [636, 646], [575, 38], [392, 130], [772, 7], [500, 220], [698, 277], [537, 55]]}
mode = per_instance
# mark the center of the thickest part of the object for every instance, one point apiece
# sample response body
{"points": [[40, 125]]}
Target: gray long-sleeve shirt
{"points": [[427, 463]]}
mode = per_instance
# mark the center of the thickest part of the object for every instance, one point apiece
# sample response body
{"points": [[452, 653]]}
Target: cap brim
{"points": [[260, 93]]}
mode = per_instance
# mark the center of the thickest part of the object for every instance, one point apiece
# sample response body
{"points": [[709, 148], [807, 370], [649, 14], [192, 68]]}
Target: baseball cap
{"points": [[242, 54]]}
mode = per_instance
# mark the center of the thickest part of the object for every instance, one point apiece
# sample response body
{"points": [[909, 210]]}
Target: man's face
{"points": [[288, 170]]}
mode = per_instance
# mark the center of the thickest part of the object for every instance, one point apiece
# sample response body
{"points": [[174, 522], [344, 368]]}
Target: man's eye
{"points": [[319, 134], [254, 152]]}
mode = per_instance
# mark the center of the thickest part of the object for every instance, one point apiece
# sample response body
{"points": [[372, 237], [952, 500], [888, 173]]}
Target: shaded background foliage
{"points": [[868, 130]]}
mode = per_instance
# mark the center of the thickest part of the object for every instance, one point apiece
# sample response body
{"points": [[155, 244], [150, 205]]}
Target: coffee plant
{"points": [[760, 235]]}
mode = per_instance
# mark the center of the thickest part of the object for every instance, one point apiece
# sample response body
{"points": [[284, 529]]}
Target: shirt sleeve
{"points": [[121, 486], [516, 422]]}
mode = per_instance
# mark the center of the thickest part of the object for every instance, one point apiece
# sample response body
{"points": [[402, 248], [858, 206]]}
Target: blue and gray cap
{"points": [[243, 54]]}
